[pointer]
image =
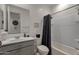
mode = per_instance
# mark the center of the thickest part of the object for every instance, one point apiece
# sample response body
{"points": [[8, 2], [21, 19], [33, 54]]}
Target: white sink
{"points": [[14, 40]]}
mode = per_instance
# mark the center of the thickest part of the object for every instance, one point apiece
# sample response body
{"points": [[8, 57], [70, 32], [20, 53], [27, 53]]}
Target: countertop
{"points": [[16, 40]]}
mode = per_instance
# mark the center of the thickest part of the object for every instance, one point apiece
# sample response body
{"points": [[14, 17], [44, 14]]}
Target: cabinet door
{"points": [[26, 51], [22, 51]]}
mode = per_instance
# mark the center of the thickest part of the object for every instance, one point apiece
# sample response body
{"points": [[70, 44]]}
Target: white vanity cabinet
{"points": [[20, 48]]}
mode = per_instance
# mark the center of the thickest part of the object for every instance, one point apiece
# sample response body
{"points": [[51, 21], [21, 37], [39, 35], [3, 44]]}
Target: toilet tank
{"points": [[38, 41]]}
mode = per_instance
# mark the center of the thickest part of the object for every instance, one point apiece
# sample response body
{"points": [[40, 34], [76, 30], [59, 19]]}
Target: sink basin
{"points": [[14, 40]]}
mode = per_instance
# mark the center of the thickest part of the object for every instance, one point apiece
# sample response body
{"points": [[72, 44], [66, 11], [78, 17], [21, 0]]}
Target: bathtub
{"points": [[61, 49]]}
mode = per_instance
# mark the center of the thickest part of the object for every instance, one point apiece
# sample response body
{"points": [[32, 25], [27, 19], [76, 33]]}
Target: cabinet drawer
{"points": [[25, 44], [16, 46]]}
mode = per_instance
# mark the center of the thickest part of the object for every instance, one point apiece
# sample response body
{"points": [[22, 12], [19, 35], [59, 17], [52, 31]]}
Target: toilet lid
{"points": [[43, 48]]}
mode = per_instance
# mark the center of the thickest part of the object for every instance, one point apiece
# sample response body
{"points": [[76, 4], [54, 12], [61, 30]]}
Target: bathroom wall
{"points": [[36, 16], [65, 26], [37, 13]]}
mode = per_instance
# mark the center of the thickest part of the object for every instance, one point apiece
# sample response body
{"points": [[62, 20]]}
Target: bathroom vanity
{"points": [[15, 20], [21, 46]]}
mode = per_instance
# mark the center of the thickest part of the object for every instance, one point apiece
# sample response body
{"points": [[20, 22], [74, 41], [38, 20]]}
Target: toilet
{"points": [[42, 50]]}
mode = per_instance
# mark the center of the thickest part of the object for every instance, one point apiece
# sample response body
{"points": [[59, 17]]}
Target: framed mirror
{"points": [[17, 20], [1, 19]]}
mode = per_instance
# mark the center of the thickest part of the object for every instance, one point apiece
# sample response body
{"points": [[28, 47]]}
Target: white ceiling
{"points": [[37, 5], [44, 4]]}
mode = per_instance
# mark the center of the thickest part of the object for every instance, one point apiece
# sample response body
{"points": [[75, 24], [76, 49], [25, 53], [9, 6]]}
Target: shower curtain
{"points": [[46, 35]]}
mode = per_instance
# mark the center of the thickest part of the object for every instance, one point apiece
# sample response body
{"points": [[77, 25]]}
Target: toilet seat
{"points": [[43, 50]]}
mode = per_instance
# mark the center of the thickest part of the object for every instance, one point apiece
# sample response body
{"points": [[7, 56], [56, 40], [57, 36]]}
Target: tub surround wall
{"points": [[65, 28], [60, 7]]}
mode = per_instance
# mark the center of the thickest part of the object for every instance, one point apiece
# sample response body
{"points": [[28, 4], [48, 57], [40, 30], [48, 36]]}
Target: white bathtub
{"points": [[61, 49]]}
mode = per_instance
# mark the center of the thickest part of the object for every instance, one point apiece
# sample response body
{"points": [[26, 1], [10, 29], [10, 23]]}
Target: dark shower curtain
{"points": [[46, 36]]}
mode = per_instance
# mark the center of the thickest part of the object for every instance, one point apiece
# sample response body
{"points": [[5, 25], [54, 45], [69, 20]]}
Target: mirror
{"points": [[14, 19], [14, 22], [1, 19], [17, 20]]}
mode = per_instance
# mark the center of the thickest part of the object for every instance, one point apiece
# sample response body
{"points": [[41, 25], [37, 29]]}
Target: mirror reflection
{"points": [[1, 19]]}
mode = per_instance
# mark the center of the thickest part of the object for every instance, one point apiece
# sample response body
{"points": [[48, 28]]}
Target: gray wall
{"points": [[65, 27]]}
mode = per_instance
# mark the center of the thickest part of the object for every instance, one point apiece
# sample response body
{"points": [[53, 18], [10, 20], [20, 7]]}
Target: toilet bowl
{"points": [[42, 50]]}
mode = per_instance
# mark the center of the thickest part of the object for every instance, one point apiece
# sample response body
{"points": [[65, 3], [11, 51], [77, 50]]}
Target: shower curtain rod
{"points": [[65, 9]]}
